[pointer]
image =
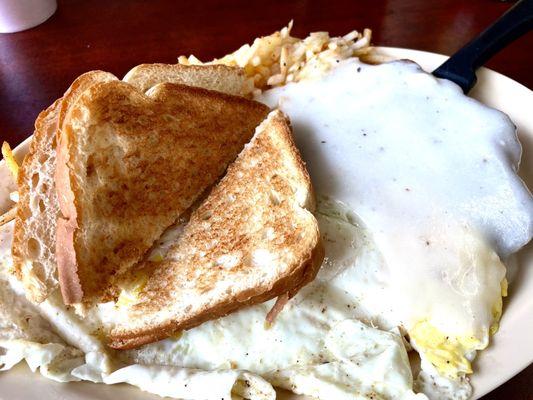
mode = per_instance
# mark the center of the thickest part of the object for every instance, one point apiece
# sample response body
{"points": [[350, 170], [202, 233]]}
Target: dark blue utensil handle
{"points": [[460, 67]]}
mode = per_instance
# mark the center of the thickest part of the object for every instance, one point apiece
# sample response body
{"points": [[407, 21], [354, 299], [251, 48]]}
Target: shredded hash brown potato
{"points": [[281, 58], [11, 163]]}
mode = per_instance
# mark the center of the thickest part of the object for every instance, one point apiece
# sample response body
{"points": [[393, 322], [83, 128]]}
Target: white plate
{"points": [[512, 348]]}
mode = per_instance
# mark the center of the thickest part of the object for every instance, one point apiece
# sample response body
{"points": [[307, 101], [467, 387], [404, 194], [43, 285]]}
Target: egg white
{"points": [[315, 347]]}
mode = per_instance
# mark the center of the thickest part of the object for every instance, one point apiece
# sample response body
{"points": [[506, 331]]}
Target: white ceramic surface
{"points": [[512, 347], [19, 15]]}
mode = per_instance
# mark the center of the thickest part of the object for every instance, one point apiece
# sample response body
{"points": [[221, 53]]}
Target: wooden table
{"points": [[36, 66]]}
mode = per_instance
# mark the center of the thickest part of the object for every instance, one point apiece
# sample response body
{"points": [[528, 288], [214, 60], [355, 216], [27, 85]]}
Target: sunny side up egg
{"points": [[317, 346]]}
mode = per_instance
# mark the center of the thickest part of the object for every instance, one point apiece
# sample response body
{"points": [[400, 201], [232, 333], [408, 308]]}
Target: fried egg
{"points": [[316, 346]]}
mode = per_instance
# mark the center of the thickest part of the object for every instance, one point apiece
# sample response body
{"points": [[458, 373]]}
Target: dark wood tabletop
{"points": [[38, 65]]}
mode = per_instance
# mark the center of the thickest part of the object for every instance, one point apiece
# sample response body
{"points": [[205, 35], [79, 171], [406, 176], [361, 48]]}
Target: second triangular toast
{"points": [[252, 239]]}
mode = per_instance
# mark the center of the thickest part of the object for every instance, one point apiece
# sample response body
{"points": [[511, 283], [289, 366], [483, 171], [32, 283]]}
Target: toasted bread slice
{"points": [[252, 239], [35, 229], [129, 164], [34, 235], [221, 78]]}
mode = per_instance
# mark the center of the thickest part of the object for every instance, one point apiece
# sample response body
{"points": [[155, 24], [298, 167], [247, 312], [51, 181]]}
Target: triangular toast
{"points": [[252, 239], [129, 164]]}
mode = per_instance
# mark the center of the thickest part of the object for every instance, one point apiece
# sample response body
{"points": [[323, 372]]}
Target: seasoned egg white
{"points": [[315, 347]]}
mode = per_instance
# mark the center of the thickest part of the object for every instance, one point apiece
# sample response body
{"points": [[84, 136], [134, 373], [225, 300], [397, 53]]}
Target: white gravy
{"points": [[432, 175]]}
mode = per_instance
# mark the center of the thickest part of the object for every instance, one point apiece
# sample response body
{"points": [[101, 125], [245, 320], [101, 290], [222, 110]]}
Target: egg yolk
{"points": [[448, 353]]}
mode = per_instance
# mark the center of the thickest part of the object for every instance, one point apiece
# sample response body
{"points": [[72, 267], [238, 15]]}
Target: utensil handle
{"points": [[460, 67]]}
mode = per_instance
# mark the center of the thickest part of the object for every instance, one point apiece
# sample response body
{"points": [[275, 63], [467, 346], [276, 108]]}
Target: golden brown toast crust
{"points": [[76, 89], [175, 142], [222, 78], [293, 229]]}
